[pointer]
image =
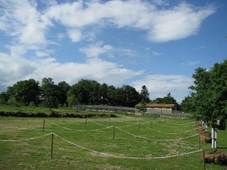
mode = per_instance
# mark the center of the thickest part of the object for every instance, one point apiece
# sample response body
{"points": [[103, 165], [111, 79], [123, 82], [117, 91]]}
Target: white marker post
{"points": [[214, 137], [205, 126]]}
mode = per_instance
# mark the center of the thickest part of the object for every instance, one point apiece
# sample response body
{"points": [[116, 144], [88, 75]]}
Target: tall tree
{"points": [[144, 94], [63, 90], [209, 92], [3, 98], [25, 92], [49, 93]]}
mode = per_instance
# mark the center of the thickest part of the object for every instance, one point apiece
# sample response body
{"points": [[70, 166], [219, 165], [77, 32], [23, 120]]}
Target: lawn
{"points": [[125, 142]]}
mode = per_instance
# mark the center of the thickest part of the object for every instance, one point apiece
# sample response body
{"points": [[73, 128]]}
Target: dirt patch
{"points": [[219, 158], [53, 114]]}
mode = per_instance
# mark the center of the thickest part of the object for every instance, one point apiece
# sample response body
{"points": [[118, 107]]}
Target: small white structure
{"points": [[214, 138], [158, 108]]}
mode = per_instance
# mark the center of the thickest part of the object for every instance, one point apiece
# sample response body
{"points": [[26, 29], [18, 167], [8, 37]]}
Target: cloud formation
{"points": [[161, 25], [34, 27], [160, 85]]}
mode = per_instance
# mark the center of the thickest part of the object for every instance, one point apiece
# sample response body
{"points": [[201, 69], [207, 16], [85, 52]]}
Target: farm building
{"points": [[158, 108]]}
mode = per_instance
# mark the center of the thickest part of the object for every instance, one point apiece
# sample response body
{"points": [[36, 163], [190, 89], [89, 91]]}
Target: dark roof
{"points": [[155, 105]]}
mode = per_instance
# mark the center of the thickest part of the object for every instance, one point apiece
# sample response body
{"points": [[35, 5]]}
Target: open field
{"points": [[126, 142]]}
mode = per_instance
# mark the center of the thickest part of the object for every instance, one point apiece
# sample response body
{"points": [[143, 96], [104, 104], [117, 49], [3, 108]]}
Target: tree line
{"points": [[86, 92], [208, 97]]}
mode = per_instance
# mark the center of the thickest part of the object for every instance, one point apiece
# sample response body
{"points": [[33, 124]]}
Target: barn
{"points": [[158, 108]]}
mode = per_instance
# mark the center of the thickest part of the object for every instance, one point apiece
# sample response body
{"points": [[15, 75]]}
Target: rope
{"points": [[170, 132], [32, 138], [79, 130], [127, 157], [136, 136]]}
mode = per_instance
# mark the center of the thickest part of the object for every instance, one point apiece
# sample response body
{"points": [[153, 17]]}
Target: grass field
{"points": [[125, 142]]}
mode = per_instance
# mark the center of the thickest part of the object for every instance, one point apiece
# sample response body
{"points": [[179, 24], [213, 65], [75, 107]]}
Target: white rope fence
{"points": [[104, 154], [121, 156], [86, 130], [142, 137], [19, 140], [194, 129]]}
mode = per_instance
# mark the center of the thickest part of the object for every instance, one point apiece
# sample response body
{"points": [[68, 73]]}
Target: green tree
{"points": [[3, 98], [49, 93], [63, 88], [103, 91], [25, 92], [144, 94], [209, 93], [130, 97], [188, 105], [144, 98]]}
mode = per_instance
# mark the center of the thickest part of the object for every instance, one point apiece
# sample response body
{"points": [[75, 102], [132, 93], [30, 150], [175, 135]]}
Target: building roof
{"points": [[155, 105]]}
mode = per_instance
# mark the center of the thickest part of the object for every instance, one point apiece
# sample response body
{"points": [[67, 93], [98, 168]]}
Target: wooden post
{"points": [[85, 121], [204, 166], [113, 132], [52, 144], [43, 124]]}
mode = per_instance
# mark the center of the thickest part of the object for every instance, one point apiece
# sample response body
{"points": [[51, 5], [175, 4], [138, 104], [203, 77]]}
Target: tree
{"points": [[49, 93], [25, 92], [144, 98], [3, 98], [144, 94], [63, 88], [188, 105], [209, 93], [103, 90]]}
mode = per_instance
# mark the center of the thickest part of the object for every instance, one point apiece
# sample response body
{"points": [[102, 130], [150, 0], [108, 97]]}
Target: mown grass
{"points": [[126, 140]]}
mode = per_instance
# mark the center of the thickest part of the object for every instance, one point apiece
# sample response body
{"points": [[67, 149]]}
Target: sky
{"points": [[156, 43]]}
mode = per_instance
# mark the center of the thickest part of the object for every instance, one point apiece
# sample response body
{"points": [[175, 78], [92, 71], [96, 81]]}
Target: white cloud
{"points": [[162, 25], [75, 35], [127, 52], [161, 85], [23, 21], [180, 22], [13, 69], [190, 63], [95, 50]]}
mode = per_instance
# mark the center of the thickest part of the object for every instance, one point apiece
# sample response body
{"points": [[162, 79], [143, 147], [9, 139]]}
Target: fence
{"points": [[106, 107], [52, 137], [130, 110]]}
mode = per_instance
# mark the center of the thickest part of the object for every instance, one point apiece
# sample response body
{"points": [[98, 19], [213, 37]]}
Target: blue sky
{"points": [[157, 43]]}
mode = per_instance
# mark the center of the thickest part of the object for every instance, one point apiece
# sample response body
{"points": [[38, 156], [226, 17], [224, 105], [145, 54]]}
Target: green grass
{"points": [[136, 143]]}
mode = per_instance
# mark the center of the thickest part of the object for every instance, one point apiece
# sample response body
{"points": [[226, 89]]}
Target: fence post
{"points": [[204, 166], [138, 126], [85, 121], [113, 132], [52, 144], [43, 124]]}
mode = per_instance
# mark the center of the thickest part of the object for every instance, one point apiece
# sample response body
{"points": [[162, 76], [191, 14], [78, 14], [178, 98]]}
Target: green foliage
{"points": [[3, 98], [51, 95], [144, 94], [24, 92], [168, 99], [208, 99]]}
